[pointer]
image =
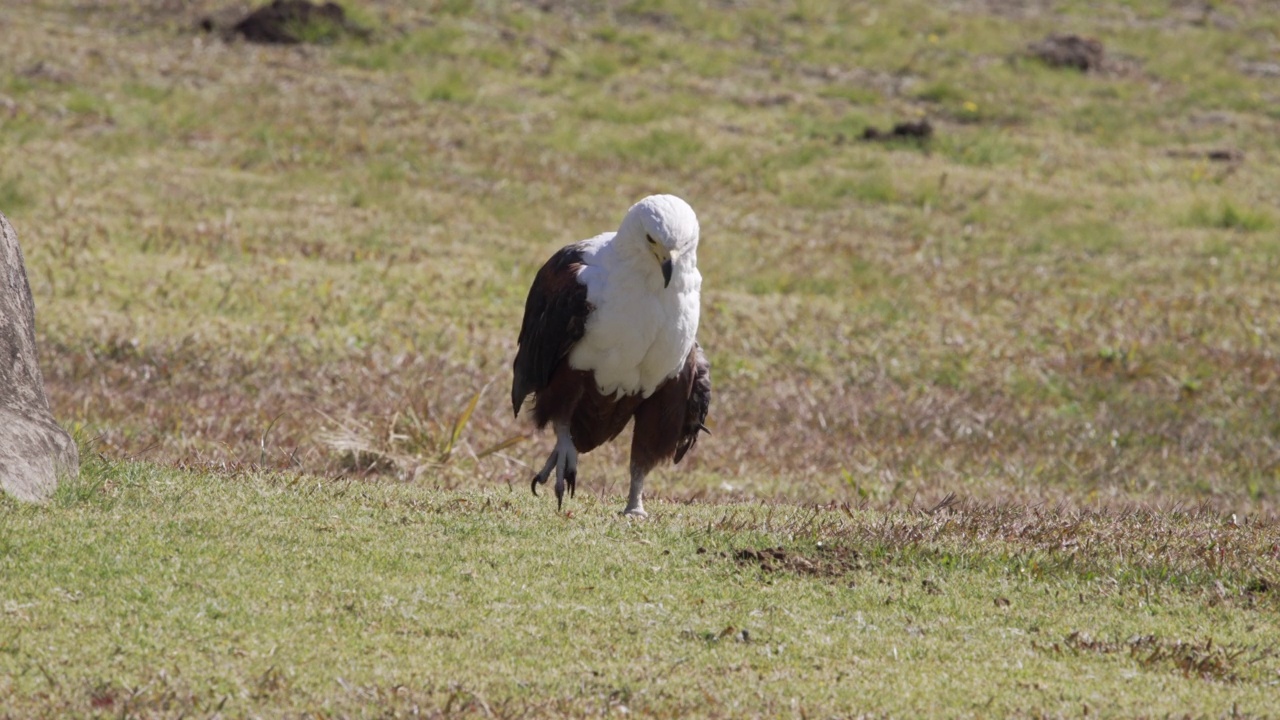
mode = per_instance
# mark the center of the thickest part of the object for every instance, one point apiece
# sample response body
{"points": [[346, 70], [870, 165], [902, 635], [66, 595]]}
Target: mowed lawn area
{"points": [[996, 413]]}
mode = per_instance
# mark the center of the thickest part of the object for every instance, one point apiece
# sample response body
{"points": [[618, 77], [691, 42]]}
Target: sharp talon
{"points": [[541, 476], [571, 479], [703, 428], [559, 498]]}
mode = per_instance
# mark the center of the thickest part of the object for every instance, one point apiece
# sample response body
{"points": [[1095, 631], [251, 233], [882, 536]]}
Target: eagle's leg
{"points": [[571, 470], [566, 463], [635, 503]]}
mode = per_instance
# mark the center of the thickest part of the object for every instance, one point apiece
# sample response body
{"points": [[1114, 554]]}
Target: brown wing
{"points": [[555, 317], [668, 421], [695, 413]]}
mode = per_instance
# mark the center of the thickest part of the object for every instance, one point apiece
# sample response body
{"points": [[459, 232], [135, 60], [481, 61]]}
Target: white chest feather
{"points": [[639, 332]]}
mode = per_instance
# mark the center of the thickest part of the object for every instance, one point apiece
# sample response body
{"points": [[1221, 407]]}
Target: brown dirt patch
{"points": [[1222, 155], [824, 562], [290, 22], [920, 131], [1070, 51]]}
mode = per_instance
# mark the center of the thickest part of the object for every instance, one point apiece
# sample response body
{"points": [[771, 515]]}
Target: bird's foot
{"points": [[541, 477], [568, 480], [636, 512], [635, 498]]}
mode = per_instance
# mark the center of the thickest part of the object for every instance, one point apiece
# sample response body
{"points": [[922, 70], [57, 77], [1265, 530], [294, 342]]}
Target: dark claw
{"points": [[559, 498], [571, 479], [539, 478], [704, 428]]}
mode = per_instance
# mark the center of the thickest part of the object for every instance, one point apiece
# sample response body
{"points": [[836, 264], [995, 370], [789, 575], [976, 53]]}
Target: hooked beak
{"points": [[666, 272]]}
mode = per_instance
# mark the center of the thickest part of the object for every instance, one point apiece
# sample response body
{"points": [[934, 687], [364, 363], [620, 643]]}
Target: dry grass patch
{"points": [[1201, 660], [1228, 561]]}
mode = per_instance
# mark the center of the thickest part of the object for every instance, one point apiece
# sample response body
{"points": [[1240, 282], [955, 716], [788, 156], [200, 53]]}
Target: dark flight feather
{"points": [[699, 402], [555, 317]]}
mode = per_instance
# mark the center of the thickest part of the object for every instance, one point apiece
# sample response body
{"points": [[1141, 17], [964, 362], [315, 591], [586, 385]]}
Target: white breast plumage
{"points": [[638, 333]]}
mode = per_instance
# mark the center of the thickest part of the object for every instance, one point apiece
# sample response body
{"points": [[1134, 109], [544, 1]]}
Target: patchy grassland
{"points": [[294, 269], [1059, 298], [146, 592]]}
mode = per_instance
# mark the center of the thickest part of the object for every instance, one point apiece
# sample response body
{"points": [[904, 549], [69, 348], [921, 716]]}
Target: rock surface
{"points": [[34, 451]]}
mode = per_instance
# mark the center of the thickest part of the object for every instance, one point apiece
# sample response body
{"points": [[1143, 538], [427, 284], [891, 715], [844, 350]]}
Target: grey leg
{"points": [[566, 465], [571, 470], [541, 476], [635, 501]]}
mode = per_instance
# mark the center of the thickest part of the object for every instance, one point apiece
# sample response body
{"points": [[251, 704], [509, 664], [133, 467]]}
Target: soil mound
{"points": [[921, 131], [290, 22], [1069, 51]]}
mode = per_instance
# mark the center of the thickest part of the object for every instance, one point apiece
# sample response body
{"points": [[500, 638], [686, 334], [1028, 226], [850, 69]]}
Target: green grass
{"points": [[143, 591], [1227, 216], [11, 195], [302, 270]]}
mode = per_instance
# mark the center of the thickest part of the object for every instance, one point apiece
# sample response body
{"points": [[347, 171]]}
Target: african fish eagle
{"points": [[609, 335]]}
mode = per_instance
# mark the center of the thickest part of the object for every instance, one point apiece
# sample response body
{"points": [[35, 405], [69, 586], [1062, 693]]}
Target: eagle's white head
{"points": [[663, 227]]}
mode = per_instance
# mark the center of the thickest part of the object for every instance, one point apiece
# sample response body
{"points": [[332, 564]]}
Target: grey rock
{"points": [[34, 454], [34, 451]]}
